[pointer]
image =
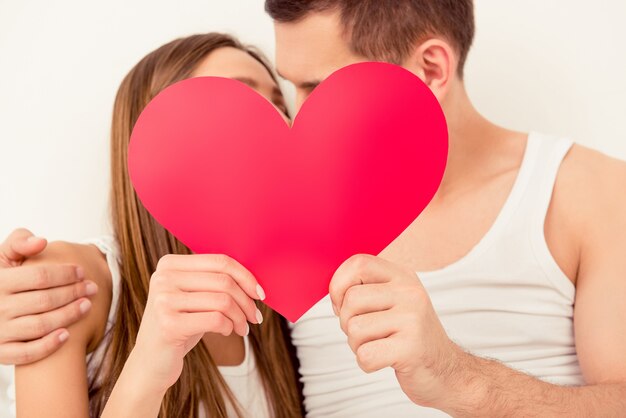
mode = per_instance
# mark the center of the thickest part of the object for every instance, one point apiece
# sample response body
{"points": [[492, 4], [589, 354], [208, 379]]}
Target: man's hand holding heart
{"points": [[390, 322]]}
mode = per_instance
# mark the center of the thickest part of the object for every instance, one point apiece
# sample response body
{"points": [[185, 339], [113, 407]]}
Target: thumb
{"points": [[21, 243]]}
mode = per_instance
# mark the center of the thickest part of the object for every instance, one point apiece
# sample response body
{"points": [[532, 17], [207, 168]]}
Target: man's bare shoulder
{"points": [[591, 189], [597, 180]]}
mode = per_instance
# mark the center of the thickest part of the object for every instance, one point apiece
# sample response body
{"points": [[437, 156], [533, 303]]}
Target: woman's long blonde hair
{"points": [[142, 242]]}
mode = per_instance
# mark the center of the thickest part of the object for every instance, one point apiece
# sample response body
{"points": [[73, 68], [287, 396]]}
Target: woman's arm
{"points": [[57, 385], [189, 295]]}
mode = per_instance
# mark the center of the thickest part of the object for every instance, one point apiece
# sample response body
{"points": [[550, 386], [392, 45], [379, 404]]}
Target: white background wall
{"points": [[557, 66]]}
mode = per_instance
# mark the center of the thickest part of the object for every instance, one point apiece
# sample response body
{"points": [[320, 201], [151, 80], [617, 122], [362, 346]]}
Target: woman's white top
{"points": [[507, 299]]}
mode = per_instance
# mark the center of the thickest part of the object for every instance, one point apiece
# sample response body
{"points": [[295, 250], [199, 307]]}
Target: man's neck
{"points": [[473, 140]]}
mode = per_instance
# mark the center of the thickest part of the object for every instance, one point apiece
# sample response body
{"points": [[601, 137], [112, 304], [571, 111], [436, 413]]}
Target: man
{"points": [[501, 252], [521, 228]]}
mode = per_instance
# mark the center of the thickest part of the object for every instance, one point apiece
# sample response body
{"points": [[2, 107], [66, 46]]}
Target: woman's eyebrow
{"points": [[277, 94]]}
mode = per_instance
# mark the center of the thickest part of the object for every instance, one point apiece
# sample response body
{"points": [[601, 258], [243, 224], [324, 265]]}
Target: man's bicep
{"points": [[600, 308]]}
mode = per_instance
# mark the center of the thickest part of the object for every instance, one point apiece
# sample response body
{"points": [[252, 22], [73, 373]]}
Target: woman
{"points": [[166, 332]]}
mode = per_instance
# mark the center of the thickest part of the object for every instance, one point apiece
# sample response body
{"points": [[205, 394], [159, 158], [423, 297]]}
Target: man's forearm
{"points": [[487, 388]]}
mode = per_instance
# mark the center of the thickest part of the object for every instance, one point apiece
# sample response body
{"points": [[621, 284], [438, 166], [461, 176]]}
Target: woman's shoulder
{"points": [[61, 379], [94, 262]]}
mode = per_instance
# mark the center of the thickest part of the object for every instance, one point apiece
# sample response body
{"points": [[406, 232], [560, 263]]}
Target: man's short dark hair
{"points": [[387, 30]]}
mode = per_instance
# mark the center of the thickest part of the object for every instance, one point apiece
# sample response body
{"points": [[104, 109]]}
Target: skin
{"points": [[37, 305], [383, 307], [192, 298]]}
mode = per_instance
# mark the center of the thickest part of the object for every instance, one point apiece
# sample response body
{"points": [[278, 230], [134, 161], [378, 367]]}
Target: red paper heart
{"points": [[218, 167]]}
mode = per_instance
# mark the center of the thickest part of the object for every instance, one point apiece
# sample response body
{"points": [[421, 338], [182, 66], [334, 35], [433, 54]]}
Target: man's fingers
{"points": [[215, 263], [362, 329], [19, 244], [28, 352], [45, 276], [378, 354], [360, 269], [40, 301], [362, 299], [32, 327]]}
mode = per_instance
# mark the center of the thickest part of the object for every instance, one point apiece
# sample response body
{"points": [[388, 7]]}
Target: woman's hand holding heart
{"points": [[189, 295]]}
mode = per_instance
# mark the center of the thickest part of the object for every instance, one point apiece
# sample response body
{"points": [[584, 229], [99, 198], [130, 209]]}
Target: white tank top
{"points": [[507, 299]]}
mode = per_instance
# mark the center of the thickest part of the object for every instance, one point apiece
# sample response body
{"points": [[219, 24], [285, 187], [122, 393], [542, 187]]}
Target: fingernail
{"points": [[260, 292], [247, 329], [259, 316], [91, 288], [64, 336], [80, 273], [84, 306], [33, 239]]}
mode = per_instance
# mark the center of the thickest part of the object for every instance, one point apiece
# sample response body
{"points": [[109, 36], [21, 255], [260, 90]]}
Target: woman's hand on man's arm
{"points": [[37, 303]]}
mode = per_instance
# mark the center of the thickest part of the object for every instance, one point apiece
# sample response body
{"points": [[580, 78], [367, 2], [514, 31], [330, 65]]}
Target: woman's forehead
{"points": [[234, 63]]}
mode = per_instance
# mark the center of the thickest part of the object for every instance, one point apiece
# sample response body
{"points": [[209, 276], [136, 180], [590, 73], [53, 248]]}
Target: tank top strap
{"points": [[550, 155], [551, 152]]}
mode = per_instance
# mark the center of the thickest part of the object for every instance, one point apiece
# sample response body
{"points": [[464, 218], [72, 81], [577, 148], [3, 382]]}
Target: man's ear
{"points": [[435, 62]]}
